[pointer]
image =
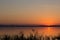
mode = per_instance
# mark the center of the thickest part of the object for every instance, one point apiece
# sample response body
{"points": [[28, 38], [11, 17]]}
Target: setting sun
{"points": [[48, 21]]}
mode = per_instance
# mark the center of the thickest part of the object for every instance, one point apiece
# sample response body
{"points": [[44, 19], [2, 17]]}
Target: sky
{"points": [[30, 12]]}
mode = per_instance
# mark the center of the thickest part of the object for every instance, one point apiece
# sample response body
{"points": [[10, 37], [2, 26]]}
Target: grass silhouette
{"points": [[31, 37]]}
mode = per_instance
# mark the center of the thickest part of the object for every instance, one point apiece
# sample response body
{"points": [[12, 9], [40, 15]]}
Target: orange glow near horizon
{"points": [[48, 21]]}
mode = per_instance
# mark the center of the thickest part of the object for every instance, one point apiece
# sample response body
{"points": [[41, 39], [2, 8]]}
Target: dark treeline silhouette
{"points": [[34, 36], [2, 25]]}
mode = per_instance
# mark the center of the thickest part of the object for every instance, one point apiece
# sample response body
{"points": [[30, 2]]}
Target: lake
{"points": [[50, 31]]}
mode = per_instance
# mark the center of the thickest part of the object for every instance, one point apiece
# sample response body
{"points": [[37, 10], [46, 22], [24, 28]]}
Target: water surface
{"points": [[28, 30]]}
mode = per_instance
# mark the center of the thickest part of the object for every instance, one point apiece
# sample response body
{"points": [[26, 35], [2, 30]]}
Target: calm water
{"points": [[27, 30]]}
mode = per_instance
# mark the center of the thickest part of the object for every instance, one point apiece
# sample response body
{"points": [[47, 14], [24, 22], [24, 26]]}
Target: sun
{"points": [[47, 21]]}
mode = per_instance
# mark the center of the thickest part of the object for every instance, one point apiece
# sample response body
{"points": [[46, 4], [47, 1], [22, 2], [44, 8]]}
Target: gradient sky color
{"points": [[29, 11]]}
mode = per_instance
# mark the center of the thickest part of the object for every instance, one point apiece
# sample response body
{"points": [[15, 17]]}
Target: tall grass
{"points": [[31, 37]]}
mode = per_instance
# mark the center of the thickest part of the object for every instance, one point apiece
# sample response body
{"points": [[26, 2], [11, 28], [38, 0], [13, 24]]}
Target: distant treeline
{"points": [[29, 26]]}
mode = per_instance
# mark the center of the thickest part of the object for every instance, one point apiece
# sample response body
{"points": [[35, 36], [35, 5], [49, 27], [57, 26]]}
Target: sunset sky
{"points": [[30, 12]]}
